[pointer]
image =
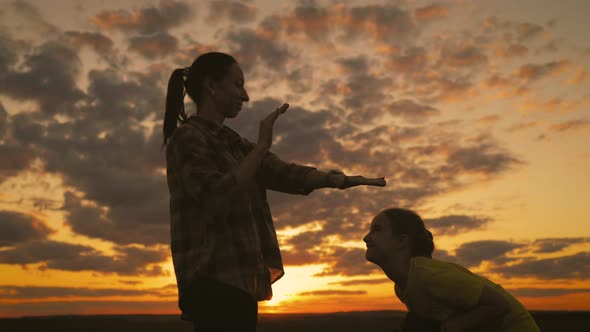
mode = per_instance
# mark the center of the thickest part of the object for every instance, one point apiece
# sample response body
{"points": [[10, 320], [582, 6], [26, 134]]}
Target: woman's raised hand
{"points": [[265, 132]]}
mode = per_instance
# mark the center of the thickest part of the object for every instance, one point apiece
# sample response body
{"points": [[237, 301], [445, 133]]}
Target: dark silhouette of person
{"points": [[223, 241], [439, 296]]}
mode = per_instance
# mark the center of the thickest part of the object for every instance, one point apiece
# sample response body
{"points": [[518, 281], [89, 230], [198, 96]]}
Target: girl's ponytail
{"points": [[174, 103]]}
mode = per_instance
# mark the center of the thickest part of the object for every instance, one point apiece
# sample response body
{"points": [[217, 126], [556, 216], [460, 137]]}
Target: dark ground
{"points": [[379, 321]]}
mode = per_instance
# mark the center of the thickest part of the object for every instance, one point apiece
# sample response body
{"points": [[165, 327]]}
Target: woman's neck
{"points": [[397, 271], [208, 112]]}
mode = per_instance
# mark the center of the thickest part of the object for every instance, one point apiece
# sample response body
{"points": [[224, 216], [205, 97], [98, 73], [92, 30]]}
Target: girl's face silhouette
{"points": [[380, 240], [230, 93]]}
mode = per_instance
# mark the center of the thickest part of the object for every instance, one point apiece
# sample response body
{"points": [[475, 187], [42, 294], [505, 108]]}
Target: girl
{"points": [[439, 296]]}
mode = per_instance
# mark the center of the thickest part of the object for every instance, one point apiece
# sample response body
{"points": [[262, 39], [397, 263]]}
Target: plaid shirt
{"points": [[218, 229]]}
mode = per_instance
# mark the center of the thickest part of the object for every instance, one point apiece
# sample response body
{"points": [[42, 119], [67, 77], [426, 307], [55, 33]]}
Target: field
{"points": [[381, 321]]}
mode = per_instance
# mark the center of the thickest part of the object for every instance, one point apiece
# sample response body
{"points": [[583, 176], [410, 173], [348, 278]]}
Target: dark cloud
{"points": [[37, 292], [575, 266], [16, 227], [148, 20], [545, 292], [482, 157], [100, 43], [455, 224], [235, 11], [556, 244], [462, 57], [300, 135], [49, 77], [349, 262], [410, 60], [13, 160], [570, 125], [71, 257], [332, 292], [356, 282], [513, 50], [3, 121], [533, 72], [384, 22], [471, 254], [252, 49], [9, 48], [154, 46], [412, 111], [527, 31]]}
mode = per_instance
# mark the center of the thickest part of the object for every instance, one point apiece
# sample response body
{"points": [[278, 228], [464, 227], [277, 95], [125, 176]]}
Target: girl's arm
{"points": [[491, 305]]}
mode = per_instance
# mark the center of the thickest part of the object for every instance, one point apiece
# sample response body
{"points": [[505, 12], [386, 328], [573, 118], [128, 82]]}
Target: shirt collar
{"points": [[214, 128]]}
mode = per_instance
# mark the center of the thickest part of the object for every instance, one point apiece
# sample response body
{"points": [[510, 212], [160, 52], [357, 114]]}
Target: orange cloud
{"points": [[533, 72], [431, 12]]}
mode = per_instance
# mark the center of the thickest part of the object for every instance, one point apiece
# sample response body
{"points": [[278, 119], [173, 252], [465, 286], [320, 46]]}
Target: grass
{"points": [[377, 321]]}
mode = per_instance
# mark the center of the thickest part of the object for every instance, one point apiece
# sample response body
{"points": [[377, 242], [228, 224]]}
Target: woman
{"points": [[439, 296], [224, 245]]}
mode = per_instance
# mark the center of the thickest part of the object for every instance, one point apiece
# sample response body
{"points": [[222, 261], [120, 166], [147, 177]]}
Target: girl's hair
{"points": [[191, 80], [410, 223]]}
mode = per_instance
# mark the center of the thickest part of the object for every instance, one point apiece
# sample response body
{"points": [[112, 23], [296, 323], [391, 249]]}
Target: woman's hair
{"points": [[409, 222], [213, 66]]}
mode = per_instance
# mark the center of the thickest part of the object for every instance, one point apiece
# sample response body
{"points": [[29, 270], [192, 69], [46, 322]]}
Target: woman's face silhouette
{"points": [[230, 93]]}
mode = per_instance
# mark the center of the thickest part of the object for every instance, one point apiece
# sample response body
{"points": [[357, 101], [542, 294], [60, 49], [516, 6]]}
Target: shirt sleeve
{"points": [[284, 177], [278, 175], [452, 284], [202, 178]]}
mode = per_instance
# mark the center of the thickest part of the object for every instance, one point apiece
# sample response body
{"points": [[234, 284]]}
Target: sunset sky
{"points": [[476, 113]]}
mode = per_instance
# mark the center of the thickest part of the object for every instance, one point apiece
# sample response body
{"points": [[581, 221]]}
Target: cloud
{"points": [[513, 50], [483, 157], [384, 22], [348, 262], [13, 160], [154, 46], [32, 15], [546, 292], [570, 125], [473, 253], [249, 47], [235, 11], [526, 31], [521, 126], [49, 77], [455, 224], [575, 266], [3, 121], [356, 282], [462, 56], [552, 245], [148, 20], [412, 59], [16, 227], [39, 292], [310, 21], [431, 12], [332, 292], [71, 257], [412, 111], [100, 43], [533, 72]]}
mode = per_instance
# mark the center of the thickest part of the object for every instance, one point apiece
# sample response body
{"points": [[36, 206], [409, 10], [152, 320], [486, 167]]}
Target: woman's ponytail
{"points": [[174, 103]]}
